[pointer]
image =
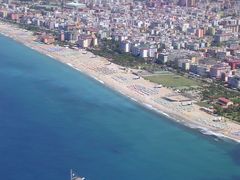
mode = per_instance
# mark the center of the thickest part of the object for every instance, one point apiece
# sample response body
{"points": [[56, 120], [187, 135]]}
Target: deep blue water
{"points": [[53, 118]]}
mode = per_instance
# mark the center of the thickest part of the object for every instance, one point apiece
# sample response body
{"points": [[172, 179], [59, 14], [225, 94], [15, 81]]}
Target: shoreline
{"points": [[174, 118], [114, 77]]}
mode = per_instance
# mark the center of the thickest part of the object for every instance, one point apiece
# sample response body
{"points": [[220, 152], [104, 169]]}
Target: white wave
{"points": [[133, 99], [70, 64], [191, 126], [76, 68], [206, 131], [50, 56], [99, 80], [209, 132], [155, 109]]}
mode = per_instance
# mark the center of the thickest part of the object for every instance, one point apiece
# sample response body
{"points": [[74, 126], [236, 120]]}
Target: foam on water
{"points": [[70, 64], [99, 80]]}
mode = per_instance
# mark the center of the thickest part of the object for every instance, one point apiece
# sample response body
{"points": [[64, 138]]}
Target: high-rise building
{"points": [[217, 70], [7, 1], [234, 82], [182, 2], [191, 3], [200, 33], [187, 3]]}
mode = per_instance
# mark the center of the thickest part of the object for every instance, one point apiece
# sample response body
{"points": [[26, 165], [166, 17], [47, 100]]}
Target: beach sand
{"points": [[125, 82]]}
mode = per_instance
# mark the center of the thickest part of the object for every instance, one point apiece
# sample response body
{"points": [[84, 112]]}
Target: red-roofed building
{"points": [[224, 102], [234, 63]]}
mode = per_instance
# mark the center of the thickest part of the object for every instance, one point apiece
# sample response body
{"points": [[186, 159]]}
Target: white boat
{"points": [[73, 176]]}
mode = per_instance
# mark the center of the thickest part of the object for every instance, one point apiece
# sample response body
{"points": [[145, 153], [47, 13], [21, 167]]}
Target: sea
{"points": [[53, 118]]}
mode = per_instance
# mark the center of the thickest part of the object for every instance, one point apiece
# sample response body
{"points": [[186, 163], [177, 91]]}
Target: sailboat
{"points": [[73, 176]]}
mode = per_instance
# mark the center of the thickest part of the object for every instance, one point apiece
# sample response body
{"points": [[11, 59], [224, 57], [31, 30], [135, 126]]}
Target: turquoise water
{"points": [[52, 119]]}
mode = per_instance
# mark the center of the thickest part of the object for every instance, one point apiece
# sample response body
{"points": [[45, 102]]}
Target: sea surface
{"points": [[53, 119]]}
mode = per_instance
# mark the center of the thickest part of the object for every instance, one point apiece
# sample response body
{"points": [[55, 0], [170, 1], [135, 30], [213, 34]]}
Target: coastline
{"points": [[112, 76]]}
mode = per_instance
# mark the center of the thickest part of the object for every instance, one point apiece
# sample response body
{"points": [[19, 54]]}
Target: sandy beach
{"points": [[124, 81]]}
